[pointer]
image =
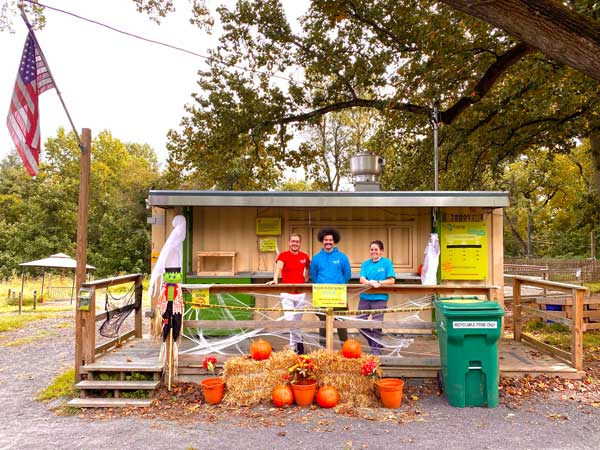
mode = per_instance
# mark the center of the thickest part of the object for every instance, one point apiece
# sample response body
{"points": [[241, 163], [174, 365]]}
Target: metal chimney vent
{"points": [[366, 169]]}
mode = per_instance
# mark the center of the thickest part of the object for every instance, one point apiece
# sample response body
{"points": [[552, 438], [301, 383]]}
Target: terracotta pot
{"points": [[213, 389], [304, 393], [390, 391]]}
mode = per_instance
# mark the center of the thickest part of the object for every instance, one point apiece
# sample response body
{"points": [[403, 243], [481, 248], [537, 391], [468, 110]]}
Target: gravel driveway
{"points": [[545, 423]]}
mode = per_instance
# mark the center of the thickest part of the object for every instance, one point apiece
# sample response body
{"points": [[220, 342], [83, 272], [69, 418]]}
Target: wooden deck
{"points": [[419, 360]]}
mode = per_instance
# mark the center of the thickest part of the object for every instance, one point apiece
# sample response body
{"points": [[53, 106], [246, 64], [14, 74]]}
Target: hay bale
{"points": [[344, 374], [251, 382]]}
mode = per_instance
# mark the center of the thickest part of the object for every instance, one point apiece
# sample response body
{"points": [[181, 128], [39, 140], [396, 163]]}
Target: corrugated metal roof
{"points": [[481, 199]]}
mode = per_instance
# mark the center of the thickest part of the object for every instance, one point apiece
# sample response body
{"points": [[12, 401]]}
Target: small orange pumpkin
{"points": [[327, 397], [260, 349], [351, 349], [282, 395]]}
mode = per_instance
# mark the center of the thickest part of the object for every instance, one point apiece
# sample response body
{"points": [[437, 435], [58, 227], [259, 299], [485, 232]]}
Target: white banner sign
{"points": [[475, 324]]}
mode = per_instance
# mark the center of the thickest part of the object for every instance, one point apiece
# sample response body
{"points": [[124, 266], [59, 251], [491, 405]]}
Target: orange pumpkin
{"points": [[282, 395], [351, 349], [327, 397], [260, 349]]}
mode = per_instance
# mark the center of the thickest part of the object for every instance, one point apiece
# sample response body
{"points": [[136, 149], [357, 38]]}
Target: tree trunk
{"points": [[595, 151], [555, 30]]}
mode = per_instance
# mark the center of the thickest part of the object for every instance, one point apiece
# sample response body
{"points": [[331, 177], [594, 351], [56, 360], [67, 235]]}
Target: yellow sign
{"points": [[268, 226], [200, 297], [464, 251], [267, 245], [329, 295]]}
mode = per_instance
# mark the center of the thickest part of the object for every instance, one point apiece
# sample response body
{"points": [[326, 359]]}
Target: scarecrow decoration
{"points": [[170, 307]]}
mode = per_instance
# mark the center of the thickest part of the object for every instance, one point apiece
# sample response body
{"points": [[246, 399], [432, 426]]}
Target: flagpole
{"points": [[37, 44]]}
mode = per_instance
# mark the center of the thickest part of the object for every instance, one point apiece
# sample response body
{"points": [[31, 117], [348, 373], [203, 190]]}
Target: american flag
{"points": [[23, 116]]}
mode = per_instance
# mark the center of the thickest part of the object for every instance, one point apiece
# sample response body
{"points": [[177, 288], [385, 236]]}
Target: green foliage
{"points": [[61, 386], [555, 196], [560, 336], [39, 217], [498, 99]]}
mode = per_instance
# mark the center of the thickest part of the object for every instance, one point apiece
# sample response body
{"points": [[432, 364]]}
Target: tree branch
{"points": [[381, 105], [485, 84], [548, 25], [381, 31]]}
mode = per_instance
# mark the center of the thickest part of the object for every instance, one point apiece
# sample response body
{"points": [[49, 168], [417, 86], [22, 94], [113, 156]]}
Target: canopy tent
{"points": [[57, 261]]}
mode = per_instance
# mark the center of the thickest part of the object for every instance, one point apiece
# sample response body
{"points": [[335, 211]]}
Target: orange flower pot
{"points": [[304, 394], [390, 391], [213, 390]]}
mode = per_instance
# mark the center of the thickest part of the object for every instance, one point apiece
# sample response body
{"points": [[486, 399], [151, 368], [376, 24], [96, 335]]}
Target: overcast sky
{"points": [[110, 81]]}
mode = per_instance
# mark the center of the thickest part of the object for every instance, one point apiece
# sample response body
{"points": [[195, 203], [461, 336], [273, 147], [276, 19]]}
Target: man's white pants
{"points": [[293, 301]]}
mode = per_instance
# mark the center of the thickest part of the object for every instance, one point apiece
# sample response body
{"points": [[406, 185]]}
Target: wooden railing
{"points": [[85, 322], [491, 292], [575, 323]]}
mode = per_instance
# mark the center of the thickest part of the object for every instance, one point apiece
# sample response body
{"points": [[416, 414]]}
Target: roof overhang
{"points": [[375, 199]]}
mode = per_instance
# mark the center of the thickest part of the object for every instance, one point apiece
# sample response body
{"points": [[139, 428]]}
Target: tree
{"points": [[40, 216], [569, 35], [548, 216], [393, 58]]}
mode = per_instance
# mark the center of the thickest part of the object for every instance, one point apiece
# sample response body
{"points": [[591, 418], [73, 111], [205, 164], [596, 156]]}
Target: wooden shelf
{"points": [[200, 258]]}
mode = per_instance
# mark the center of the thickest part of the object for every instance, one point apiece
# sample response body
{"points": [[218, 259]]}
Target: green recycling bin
{"points": [[468, 332]]}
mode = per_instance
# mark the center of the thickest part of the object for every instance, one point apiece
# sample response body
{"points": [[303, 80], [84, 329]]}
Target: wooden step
{"points": [[117, 384], [109, 402], [99, 367]]}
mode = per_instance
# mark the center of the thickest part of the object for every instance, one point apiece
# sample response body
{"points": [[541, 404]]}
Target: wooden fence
{"points": [[85, 322], [61, 292], [522, 307], [562, 270], [491, 292]]}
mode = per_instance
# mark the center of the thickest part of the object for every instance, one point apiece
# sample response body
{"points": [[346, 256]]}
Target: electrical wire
{"points": [[173, 47]]}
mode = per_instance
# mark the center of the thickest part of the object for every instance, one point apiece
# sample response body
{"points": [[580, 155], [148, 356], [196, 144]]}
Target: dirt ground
{"points": [[534, 414]]}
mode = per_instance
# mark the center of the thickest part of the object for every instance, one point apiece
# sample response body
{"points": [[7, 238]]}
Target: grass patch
{"points": [[560, 335], [26, 340], [61, 386], [66, 410], [10, 322], [594, 287], [34, 283], [13, 321], [28, 308]]}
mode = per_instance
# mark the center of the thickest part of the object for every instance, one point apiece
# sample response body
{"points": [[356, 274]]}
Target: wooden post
{"points": [[577, 329], [517, 319], [43, 279], [34, 299], [82, 221], [140, 310], [170, 358], [21, 294], [89, 331], [329, 329]]}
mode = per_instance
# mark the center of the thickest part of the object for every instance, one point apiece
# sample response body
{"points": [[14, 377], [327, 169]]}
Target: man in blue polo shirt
{"points": [[375, 272], [330, 266]]}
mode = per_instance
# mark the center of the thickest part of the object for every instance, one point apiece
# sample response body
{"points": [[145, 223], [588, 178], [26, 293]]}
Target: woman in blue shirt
{"points": [[375, 272]]}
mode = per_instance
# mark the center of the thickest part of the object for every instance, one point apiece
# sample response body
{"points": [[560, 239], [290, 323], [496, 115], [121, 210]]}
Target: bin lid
{"points": [[468, 304]]}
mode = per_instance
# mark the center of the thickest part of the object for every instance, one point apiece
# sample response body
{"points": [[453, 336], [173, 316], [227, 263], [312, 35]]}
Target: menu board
{"points": [[464, 251]]}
